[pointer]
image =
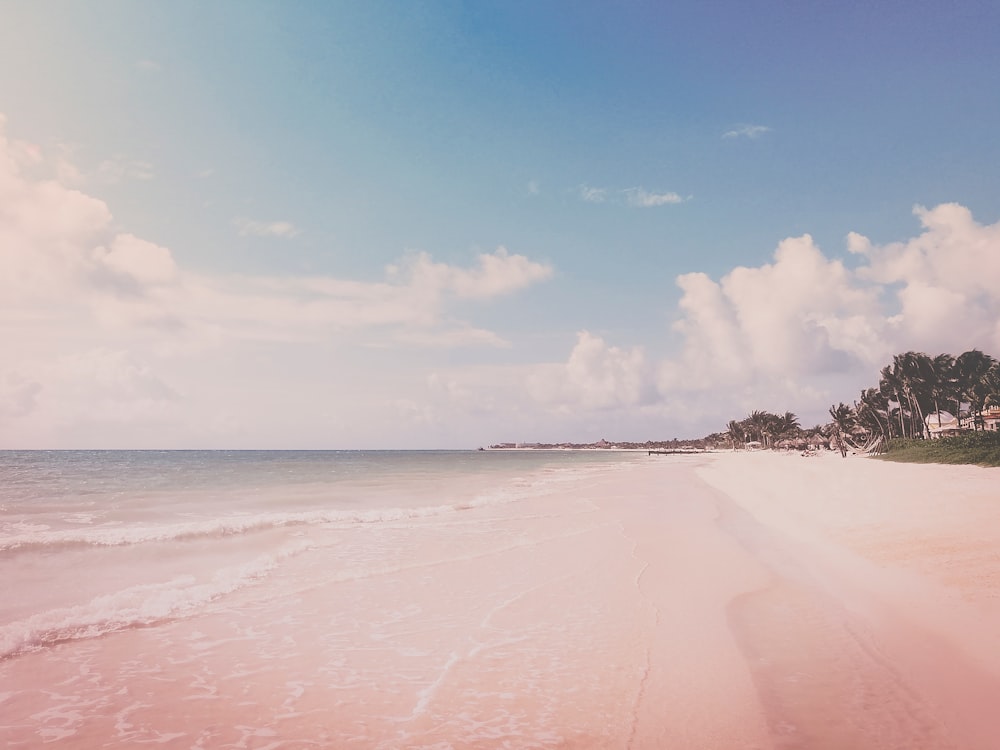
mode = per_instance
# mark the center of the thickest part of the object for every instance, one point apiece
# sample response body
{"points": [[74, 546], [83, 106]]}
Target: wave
{"points": [[135, 607], [118, 536]]}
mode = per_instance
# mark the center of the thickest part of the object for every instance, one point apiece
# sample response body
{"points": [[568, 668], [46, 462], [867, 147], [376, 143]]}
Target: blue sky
{"points": [[236, 181]]}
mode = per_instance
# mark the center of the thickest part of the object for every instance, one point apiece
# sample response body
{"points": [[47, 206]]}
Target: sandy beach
{"points": [[732, 600], [877, 625]]}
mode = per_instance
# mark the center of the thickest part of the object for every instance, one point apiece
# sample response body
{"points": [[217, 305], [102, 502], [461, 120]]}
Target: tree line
{"points": [[910, 388], [765, 428], [914, 386]]}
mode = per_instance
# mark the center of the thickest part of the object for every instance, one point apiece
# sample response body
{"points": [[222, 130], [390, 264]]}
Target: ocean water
{"points": [[288, 599]]}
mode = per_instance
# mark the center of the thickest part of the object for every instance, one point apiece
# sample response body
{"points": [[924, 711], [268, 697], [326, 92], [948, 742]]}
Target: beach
{"points": [[725, 600]]}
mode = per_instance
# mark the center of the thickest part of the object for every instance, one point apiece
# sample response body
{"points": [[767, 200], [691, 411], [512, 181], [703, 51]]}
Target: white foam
{"points": [[136, 606], [24, 536]]}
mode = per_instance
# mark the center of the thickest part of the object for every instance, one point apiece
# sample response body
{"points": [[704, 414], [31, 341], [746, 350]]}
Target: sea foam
{"points": [[137, 606], [20, 537]]}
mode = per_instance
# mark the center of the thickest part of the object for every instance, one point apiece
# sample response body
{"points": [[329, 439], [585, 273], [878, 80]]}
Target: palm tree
{"points": [[735, 433], [871, 410], [756, 423], [944, 383], [891, 384], [787, 423], [771, 425], [843, 424], [991, 382], [972, 375], [915, 371]]}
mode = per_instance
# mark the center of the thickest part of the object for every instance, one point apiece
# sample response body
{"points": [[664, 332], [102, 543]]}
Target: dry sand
{"points": [[878, 625]]}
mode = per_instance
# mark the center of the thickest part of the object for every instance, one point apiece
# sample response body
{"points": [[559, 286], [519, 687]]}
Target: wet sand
{"points": [[719, 601]]}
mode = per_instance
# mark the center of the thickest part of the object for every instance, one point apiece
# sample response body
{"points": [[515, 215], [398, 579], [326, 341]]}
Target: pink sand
{"points": [[726, 601]]}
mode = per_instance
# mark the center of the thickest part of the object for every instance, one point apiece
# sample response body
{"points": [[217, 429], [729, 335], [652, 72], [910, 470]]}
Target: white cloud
{"points": [[87, 389], [640, 197], [451, 338], [596, 376], [138, 260], [149, 66], [249, 227], [121, 168], [802, 331], [108, 333], [747, 131], [592, 194], [18, 395], [777, 326], [945, 282], [101, 325], [634, 196], [497, 273], [534, 188], [797, 333]]}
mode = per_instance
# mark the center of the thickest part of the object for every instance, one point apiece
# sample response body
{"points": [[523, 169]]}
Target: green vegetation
{"points": [[953, 399], [767, 430], [979, 448]]}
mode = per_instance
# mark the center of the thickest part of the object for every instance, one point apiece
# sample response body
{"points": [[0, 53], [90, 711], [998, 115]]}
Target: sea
{"points": [[285, 599]]}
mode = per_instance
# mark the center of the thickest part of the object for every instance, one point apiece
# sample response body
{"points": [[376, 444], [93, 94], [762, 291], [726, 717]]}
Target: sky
{"points": [[247, 224]]}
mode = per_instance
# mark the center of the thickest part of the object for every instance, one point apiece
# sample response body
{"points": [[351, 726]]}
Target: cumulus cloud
{"points": [[97, 317], [137, 260], [806, 314], [945, 283], [249, 227], [797, 333], [801, 331], [596, 376], [747, 131]]}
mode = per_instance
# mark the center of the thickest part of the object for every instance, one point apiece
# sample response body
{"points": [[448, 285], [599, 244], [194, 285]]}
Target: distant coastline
{"points": [[673, 446]]}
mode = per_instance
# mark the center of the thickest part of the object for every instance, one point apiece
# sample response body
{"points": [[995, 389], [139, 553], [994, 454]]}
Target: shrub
{"points": [[980, 448]]}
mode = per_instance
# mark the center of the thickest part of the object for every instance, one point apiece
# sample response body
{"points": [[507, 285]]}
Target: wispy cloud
{"points": [[644, 199], [249, 227], [149, 66], [747, 131], [592, 194], [533, 187], [634, 196], [121, 168]]}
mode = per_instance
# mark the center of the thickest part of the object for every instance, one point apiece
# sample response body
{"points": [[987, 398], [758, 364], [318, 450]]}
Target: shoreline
{"points": [[712, 600]]}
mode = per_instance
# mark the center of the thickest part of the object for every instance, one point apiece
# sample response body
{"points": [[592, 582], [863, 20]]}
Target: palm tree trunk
{"points": [[899, 400]]}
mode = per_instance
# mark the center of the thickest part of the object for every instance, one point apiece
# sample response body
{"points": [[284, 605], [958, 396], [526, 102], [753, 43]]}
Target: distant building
{"points": [[942, 424], [991, 418]]}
